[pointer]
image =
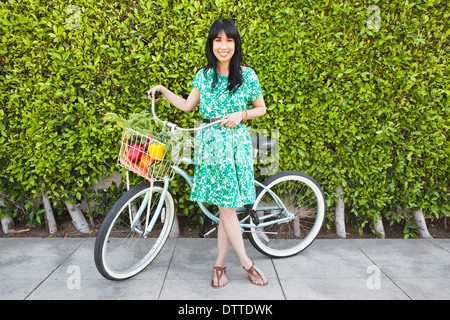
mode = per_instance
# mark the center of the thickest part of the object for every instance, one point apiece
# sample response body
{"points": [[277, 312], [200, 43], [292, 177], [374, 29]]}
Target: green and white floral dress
{"points": [[223, 156]]}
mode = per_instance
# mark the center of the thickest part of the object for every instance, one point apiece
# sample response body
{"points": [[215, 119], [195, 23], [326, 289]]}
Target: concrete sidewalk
{"points": [[34, 268]]}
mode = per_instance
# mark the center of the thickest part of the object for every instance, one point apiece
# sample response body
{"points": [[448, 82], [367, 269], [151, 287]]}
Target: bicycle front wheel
{"points": [[122, 248], [304, 202]]}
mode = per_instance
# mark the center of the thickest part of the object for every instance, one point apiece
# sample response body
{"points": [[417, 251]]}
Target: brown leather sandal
{"points": [[254, 272], [219, 273]]}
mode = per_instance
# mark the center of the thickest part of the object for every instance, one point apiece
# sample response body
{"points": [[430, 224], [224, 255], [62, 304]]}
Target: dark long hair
{"points": [[235, 78]]}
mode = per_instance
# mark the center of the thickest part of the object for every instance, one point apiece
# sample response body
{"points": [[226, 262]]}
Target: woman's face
{"points": [[223, 47]]}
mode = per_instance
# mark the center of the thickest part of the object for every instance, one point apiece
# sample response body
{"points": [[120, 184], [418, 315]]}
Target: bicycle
{"points": [[286, 217]]}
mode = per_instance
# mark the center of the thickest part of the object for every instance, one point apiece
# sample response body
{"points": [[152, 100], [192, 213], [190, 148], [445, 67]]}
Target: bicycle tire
{"points": [[288, 242], [149, 247]]}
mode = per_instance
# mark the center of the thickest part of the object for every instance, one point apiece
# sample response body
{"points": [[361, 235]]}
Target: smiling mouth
{"points": [[223, 54]]}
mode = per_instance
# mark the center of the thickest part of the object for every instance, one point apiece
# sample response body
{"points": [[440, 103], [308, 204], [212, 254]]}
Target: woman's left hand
{"points": [[232, 120]]}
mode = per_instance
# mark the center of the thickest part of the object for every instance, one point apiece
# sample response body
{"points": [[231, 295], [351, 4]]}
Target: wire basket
{"points": [[144, 155]]}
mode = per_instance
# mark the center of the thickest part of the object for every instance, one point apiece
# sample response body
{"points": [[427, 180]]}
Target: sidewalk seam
{"points": [[278, 278], [381, 270], [167, 271], [57, 267], [434, 243]]}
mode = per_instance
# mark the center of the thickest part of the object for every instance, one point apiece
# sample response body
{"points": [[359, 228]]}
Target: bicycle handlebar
{"points": [[173, 126]]}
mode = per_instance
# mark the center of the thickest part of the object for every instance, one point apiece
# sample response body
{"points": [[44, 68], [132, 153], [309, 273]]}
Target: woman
{"points": [[224, 159]]}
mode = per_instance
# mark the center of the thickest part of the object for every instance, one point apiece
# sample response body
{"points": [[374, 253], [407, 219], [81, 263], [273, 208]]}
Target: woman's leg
{"points": [[223, 243], [230, 231]]}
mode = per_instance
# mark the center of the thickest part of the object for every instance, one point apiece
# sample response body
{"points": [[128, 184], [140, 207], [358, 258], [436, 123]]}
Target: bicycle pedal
{"points": [[254, 217]]}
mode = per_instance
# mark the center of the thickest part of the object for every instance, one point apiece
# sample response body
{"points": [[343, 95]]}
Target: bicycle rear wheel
{"points": [[303, 198], [121, 249]]}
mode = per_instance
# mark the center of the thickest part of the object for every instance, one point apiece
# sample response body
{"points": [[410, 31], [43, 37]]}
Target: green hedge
{"points": [[358, 104]]}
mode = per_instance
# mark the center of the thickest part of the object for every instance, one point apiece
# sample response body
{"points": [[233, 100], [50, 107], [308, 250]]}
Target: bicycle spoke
{"points": [[301, 201], [123, 249]]}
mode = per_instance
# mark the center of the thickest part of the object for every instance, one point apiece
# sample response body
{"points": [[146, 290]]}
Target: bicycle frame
{"points": [[213, 217], [189, 179]]}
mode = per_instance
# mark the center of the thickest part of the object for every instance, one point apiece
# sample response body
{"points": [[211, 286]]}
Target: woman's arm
{"points": [[259, 109], [186, 105]]}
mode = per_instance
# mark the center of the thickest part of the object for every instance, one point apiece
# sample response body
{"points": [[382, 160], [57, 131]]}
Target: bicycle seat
{"points": [[262, 143]]}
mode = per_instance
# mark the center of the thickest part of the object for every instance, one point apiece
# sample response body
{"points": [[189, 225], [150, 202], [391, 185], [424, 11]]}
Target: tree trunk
{"points": [[7, 224], [78, 218], [420, 221], [379, 229], [297, 231], [340, 214], [49, 217]]}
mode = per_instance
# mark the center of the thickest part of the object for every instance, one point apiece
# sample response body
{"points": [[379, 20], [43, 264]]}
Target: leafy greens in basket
{"points": [[144, 123]]}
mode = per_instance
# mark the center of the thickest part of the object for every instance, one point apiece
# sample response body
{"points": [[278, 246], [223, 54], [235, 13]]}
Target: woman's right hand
{"points": [[179, 102], [153, 90]]}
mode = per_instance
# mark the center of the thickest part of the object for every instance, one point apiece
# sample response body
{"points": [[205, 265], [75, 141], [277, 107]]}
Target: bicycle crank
{"points": [[203, 232]]}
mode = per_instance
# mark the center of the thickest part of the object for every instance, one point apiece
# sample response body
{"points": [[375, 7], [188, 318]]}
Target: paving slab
{"points": [[341, 289], [355, 269], [26, 263], [414, 258], [191, 270], [419, 267]]}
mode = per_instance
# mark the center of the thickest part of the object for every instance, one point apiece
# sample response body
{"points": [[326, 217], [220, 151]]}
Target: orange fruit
{"points": [[156, 151], [146, 160]]}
